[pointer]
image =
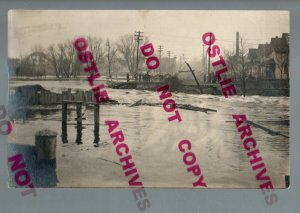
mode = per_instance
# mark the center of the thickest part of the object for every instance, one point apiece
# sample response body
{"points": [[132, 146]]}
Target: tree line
{"points": [[61, 59]]}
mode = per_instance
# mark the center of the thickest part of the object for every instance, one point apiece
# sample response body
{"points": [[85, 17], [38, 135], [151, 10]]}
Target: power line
{"points": [[160, 49], [169, 54], [137, 37], [169, 61]]}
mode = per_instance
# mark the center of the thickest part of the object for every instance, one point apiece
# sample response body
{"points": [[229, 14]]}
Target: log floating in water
{"points": [[194, 108], [180, 106], [269, 131], [138, 103]]}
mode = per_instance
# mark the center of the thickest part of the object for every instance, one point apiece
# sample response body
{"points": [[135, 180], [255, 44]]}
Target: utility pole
{"points": [[169, 62], [160, 49], [208, 66], [192, 71], [175, 63], [237, 48], [169, 54], [204, 61], [137, 37], [108, 51]]}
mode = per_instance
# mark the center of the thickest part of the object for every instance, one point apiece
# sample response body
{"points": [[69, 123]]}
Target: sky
{"points": [[179, 31]]}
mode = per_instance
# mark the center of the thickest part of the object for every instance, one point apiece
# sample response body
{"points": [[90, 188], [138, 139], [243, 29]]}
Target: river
{"points": [[153, 140]]}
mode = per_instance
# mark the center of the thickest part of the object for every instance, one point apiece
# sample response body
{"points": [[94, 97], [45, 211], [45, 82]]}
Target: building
{"points": [[270, 60], [167, 66]]}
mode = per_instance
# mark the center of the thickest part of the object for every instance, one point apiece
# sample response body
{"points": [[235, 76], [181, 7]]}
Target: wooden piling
{"points": [[64, 134], [86, 94], [287, 181], [82, 96], [69, 95], [79, 123], [96, 126]]}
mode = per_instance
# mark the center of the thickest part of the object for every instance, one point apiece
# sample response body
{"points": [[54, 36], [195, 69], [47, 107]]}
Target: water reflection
{"points": [[153, 140]]}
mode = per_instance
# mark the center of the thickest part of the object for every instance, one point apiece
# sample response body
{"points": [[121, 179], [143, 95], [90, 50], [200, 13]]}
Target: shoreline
{"points": [[209, 89]]}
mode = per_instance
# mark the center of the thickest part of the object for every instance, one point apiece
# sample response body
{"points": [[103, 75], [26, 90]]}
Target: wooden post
{"points": [[93, 97], [69, 95], [86, 94], [96, 127], [82, 96], [64, 96], [45, 144], [64, 134], [192, 71], [287, 181], [79, 123]]}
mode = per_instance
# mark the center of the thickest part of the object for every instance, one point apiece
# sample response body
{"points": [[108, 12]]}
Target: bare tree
{"points": [[66, 56], [242, 58], [238, 64], [281, 61], [53, 60], [97, 49], [111, 53], [62, 58], [33, 64], [231, 62], [127, 48]]}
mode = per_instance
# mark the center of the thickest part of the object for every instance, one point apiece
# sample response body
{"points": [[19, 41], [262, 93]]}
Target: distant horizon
{"points": [[179, 31]]}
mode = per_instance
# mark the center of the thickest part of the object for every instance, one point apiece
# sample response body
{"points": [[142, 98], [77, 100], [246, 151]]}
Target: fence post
{"points": [[287, 181], [64, 134], [79, 123], [96, 126], [69, 95]]}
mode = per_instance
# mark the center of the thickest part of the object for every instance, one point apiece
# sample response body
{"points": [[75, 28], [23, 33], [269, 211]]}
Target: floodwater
{"points": [[153, 141]]}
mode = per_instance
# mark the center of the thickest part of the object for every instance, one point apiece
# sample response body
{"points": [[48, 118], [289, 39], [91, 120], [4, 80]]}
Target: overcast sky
{"points": [[178, 31]]}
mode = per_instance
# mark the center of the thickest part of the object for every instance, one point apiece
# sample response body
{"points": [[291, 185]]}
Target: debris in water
{"points": [[180, 106]]}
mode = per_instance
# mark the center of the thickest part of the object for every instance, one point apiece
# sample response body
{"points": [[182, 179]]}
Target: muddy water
{"points": [[153, 140]]}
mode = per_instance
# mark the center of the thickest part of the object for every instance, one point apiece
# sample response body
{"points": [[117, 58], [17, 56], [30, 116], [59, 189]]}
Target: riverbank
{"points": [[267, 88]]}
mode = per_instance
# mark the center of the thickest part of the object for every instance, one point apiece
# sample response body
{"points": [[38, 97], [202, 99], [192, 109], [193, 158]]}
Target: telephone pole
{"points": [[237, 48], [175, 64], [169, 54], [208, 68], [108, 51], [204, 63], [160, 49], [192, 71], [137, 37], [169, 62]]}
